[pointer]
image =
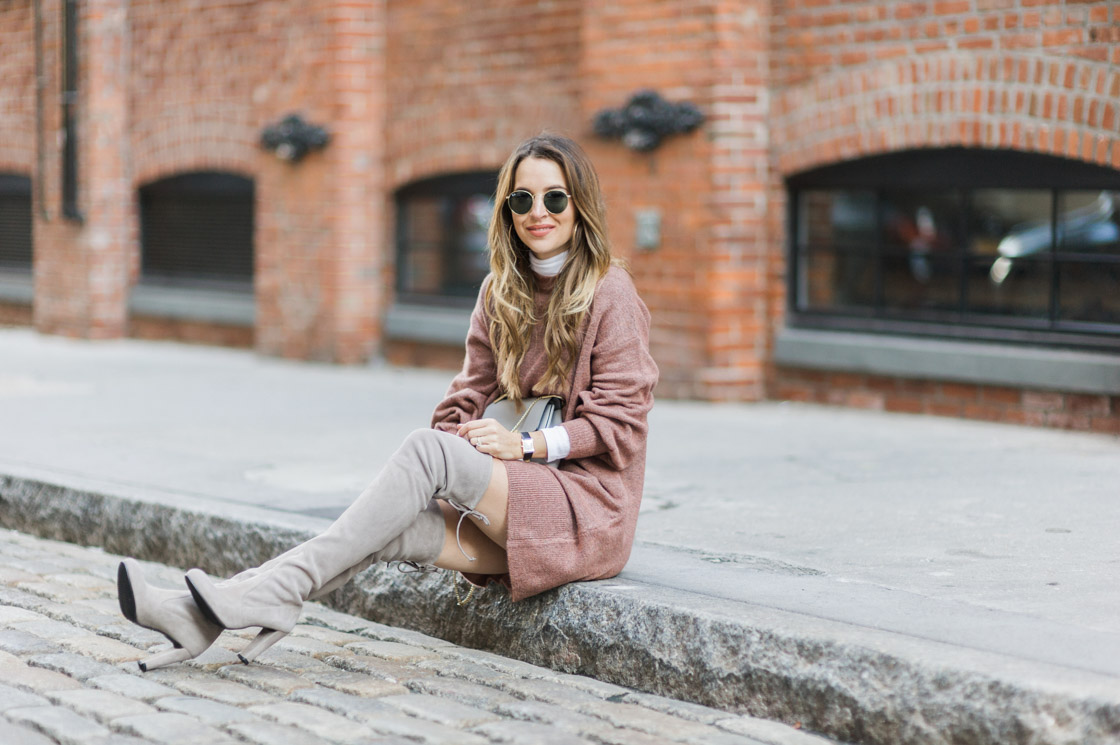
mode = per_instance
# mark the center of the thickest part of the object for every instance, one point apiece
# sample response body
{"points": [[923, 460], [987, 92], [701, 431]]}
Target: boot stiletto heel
{"points": [[170, 612], [167, 657], [265, 639]]}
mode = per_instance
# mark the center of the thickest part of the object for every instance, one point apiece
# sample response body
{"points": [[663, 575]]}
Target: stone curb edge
{"points": [[856, 685]]}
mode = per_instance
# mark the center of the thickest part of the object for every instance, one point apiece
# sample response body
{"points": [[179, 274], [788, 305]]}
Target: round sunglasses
{"points": [[521, 201]]}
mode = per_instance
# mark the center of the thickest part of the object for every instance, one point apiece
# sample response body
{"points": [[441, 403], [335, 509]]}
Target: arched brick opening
{"points": [[1058, 106]]}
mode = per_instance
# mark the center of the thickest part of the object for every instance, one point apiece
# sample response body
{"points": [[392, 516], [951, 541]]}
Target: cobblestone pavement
{"points": [[68, 674]]}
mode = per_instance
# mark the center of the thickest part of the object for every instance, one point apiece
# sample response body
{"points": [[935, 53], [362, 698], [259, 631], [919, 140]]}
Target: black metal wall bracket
{"points": [[292, 138], [646, 120]]}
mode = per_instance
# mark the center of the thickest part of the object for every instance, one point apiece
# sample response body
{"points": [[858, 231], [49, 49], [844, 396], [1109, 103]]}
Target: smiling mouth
{"points": [[539, 230]]}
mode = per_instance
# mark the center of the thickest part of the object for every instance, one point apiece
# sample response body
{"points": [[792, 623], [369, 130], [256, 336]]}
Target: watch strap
{"points": [[527, 446]]}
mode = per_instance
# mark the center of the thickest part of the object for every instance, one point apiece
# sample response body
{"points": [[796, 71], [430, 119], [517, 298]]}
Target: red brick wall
{"points": [[466, 83], [1094, 413], [856, 79], [80, 268], [411, 89], [17, 93], [705, 284]]}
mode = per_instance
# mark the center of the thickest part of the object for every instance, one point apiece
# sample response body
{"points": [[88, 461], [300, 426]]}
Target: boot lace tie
{"points": [[411, 567], [464, 513]]}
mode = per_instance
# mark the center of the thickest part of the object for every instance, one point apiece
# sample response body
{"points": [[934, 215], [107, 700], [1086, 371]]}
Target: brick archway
{"points": [[1059, 106], [187, 141]]}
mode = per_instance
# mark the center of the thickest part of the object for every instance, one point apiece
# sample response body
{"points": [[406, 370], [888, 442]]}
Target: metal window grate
{"points": [[197, 231], [15, 223]]}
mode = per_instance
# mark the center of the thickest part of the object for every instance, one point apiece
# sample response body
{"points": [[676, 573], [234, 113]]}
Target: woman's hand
{"points": [[487, 436]]}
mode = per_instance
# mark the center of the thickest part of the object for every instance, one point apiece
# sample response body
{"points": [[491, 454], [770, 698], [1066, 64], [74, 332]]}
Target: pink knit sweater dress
{"points": [[576, 522]]}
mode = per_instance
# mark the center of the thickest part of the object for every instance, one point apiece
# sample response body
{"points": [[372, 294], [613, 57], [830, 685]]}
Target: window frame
{"points": [[460, 185], [965, 171]]}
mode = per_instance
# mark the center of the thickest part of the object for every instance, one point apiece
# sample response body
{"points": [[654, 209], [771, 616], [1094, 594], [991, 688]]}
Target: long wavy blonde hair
{"points": [[509, 296]]}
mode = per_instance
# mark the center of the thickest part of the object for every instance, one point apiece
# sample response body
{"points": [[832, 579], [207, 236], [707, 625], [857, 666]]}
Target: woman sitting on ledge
{"points": [[556, 315]]}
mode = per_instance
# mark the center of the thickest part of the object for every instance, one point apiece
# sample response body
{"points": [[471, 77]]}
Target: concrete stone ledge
{"points": [[849, 682]]}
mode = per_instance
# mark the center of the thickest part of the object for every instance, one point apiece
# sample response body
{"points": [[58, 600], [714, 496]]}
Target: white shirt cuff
{"points": [[558, 443]]}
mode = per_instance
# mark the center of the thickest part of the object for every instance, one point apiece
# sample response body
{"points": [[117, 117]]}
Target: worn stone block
{"points": [[463, 669], [270, 733], [225, 691], [393, 672], [56, 592], [523, 732], [57, 722], [641, 719], [24, 644], [74, 665], [85, 581], [546, 690], [355, 683], [9, 615], [504, 665], [306, 646], [294, 662], [269, 679], [103, 649], [771, 733], [11, 597], [51, 629], [392, 651], [15, 672], [557, 716], [169, 728], [13, 698], [588, 685], [100, 705], [315, 720], [212, 713], [87, 618], [462, 691], [353, 706], [673, 707], [15, 734], [408, 637], [131, 686], [323, 634], [439, 710]]}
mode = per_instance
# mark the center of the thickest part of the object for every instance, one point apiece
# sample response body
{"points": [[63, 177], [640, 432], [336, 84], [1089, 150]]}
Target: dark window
{"points": [[15, 224], [962, 243], [70, 111], [196, 230], [442, 249]]}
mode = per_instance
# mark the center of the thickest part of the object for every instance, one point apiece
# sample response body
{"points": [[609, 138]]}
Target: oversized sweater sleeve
{"points": [[474, 385], [610, 415]]}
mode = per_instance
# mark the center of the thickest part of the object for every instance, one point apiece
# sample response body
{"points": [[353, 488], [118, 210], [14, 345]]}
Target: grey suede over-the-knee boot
{"points": [[419, 544], [428, 465]]}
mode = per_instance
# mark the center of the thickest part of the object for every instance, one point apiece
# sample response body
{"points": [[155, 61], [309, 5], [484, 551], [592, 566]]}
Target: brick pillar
{"points": [[322, 236], [705, 283], [745, 268], [81, 267]]}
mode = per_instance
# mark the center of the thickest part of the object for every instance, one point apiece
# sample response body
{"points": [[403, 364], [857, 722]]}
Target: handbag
{"points": [[537, 412]]}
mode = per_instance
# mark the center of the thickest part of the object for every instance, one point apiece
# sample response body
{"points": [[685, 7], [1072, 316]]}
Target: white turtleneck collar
{"points": [[548, 267]]}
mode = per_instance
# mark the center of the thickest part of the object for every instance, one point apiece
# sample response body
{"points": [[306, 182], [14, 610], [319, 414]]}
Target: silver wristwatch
{"points": [[527, 446]]}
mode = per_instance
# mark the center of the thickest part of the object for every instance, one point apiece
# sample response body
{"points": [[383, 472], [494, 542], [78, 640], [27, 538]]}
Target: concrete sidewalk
{"points": [[880, 578]]}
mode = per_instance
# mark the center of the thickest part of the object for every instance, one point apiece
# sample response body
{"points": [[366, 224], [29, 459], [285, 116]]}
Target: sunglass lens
{"points": [[555, 202], [521, 202]]}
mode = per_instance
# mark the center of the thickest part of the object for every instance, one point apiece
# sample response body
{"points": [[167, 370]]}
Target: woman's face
{"points": [[545, 234]]}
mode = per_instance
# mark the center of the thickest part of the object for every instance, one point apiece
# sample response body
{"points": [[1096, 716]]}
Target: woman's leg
{"points": [[470, 536], [428, 464]]}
